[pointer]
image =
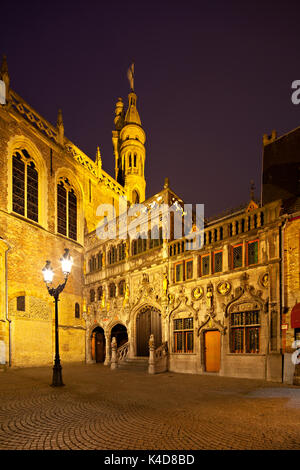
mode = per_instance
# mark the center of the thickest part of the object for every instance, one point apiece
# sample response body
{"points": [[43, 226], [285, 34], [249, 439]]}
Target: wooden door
{"points": [[147, 322], [100, 347], [212, 349]]}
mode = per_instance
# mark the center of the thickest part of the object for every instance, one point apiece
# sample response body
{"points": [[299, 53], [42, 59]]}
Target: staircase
{"points": [[134, 363]]}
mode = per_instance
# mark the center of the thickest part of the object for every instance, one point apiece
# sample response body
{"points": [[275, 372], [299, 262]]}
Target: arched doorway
{"points": [[148, 321], [120, 333], [98, 344]]}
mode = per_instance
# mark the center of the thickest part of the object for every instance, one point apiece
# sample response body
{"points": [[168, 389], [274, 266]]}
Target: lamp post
{"points": [[66, 265]]}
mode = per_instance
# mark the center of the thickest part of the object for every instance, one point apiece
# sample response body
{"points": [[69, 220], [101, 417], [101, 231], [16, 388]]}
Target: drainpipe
{"points": [[282, 291], [6, 301]]}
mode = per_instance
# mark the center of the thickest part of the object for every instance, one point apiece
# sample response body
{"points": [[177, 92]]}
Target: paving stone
{"points": [[129, 409]]}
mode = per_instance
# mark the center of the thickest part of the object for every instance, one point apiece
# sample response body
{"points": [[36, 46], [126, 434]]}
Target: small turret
{"points": [[4, 76]]}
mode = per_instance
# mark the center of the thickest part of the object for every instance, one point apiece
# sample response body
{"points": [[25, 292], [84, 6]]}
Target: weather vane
{"points": [[130, 75]]}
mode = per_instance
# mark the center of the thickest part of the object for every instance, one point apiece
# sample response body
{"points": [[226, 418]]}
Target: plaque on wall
{"points": [[197, 293], [224, 288]]}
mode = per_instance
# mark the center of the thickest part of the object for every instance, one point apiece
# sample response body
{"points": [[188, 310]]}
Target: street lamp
{"points": [[66, 266]]}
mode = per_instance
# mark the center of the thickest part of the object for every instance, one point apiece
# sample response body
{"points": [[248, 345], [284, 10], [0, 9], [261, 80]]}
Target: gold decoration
{"points": [[265, 280], [224, 288], [197, 293]]}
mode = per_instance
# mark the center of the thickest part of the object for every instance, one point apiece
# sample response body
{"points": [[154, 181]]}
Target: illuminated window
{"points": [[183, 335], [25, 186], [244, 332], [252, 252], [66, 210]]}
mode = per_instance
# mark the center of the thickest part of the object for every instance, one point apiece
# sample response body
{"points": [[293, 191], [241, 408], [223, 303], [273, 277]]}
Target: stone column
{"points": [[107, 351], [114, 360], [151, 367]]}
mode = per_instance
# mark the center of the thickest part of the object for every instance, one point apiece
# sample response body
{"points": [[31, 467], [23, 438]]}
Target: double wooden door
{"points": [[147, 322]]}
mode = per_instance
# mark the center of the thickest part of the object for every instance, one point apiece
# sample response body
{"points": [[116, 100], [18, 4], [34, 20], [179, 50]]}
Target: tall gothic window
{"points": [[66, 210], [25, 186]]}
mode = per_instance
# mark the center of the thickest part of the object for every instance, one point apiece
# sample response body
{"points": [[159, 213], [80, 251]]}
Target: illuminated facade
{"points": [[224, 308]]}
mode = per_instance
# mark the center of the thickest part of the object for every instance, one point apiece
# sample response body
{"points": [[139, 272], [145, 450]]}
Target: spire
{"points": [[132, 115], [98, 161], [60, 128]]}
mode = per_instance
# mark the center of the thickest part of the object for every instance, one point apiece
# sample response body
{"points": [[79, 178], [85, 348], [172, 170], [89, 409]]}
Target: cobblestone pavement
{"points": [[123, 409]]}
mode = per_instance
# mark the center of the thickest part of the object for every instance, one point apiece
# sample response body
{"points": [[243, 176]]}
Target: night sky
{"points": [[211, 78]]}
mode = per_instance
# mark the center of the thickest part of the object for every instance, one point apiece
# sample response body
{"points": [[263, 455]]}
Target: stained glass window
{"points": [[66, 210], [72, 215], [252, 253], [205, 265], [179, 272], [183, 335], [189, 269], [244, 332], [218, 261], [61, 209], [99, 292], [122, 288], [25, 186], [112, 290], [99, 260], [237, 256], [92, 295], [18, 185]]}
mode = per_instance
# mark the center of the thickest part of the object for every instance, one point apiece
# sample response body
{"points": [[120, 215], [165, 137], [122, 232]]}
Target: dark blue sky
{"points": [[211, 77]]}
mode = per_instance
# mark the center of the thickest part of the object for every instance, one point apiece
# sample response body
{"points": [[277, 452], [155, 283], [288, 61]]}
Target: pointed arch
{"points": [[27, 150]]}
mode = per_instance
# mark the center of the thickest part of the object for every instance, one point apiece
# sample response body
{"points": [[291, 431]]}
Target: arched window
{"points": [[99, 293], [135, 197], [121, 251], [77, 310], [122, 287], [134, 160], [92, 295], [66, 210], [112, 290], [129, 162], [25, 186]]}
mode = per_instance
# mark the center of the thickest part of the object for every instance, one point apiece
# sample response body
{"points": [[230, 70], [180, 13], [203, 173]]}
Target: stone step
{"points": [[140, 363]]}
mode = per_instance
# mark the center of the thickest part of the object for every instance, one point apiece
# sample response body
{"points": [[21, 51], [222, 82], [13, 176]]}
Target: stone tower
{"points": [[129, 149]]}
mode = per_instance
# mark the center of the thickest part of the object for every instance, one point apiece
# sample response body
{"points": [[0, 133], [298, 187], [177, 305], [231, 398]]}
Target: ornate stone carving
{"points": [[245, 298], [181, 305]]}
